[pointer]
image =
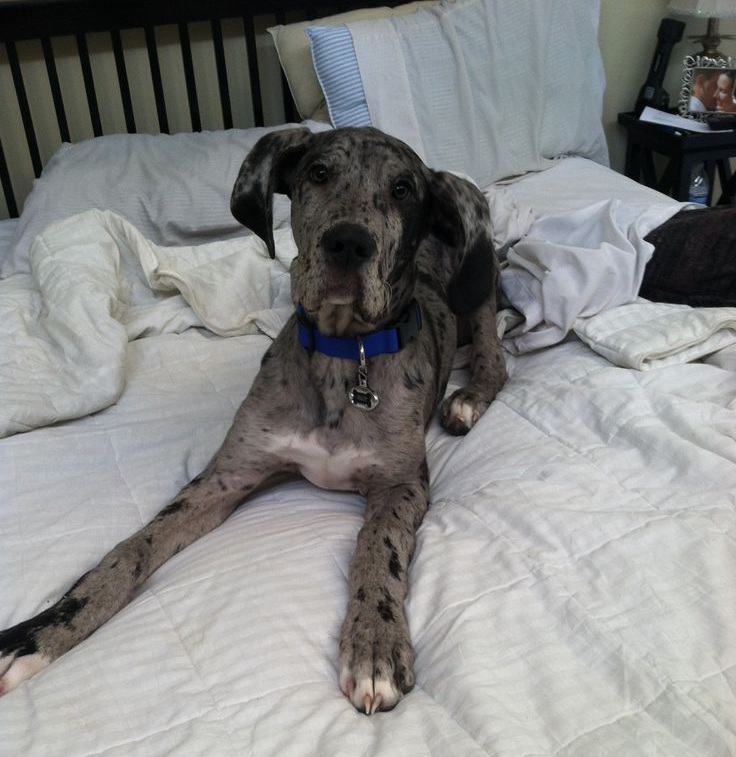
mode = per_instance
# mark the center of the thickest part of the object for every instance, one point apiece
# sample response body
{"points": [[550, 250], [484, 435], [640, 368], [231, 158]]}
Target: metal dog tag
{"points": [[362, 396]]}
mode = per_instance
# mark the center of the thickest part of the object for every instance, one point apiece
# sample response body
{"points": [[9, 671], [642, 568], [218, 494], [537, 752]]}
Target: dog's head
{"points": [[362, 203]]}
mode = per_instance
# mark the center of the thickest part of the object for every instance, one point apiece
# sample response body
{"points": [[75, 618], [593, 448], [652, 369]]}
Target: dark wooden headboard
{"points": [[41, 33]]}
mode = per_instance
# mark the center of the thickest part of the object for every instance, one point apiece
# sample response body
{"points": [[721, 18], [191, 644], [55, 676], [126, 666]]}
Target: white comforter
{"points": [[572, 589]]}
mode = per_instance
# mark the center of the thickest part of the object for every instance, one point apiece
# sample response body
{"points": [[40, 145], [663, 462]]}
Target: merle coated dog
{"points": [[390, 253]]}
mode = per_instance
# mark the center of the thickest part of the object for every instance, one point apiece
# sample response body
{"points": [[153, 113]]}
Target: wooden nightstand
{"points": [[685, 150]]}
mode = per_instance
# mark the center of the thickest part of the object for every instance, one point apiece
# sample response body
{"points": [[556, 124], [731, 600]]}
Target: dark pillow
{"points": [[694, 260]]}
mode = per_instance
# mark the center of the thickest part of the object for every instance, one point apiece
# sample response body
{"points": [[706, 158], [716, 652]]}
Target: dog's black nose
{"points": [[348, 243]]}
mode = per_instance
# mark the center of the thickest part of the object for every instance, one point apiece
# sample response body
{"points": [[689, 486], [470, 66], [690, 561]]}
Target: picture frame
{"points": [[708, 90]]}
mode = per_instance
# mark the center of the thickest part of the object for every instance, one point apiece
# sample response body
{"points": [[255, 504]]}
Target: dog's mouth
{"points": [[336, 316], [341, 287], [339, 300], [347, 306]]}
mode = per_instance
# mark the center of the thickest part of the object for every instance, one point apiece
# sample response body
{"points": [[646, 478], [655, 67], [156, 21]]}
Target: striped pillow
{"points": [[337, 70]]}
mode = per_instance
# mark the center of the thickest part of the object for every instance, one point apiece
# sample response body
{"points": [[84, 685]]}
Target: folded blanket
{"points": [[97, 283], [645, 335]]}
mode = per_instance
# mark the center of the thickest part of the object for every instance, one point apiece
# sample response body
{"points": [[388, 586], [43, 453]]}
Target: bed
{"points": [[573, 590]]}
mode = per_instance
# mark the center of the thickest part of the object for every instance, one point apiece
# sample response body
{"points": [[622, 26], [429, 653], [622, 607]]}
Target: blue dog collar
{"points": [[385, 341]]}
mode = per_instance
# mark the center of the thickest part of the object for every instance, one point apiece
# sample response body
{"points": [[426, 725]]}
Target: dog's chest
{"points": [[326, 465]]}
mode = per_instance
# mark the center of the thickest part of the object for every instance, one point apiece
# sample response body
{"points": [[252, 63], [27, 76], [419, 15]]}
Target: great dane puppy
{"points": [[389, 252]]}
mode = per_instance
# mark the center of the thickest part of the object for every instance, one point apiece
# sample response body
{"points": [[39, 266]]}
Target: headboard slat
{"points": [[122, 73], [289, 107], [249, 30], [190, 81], [53, 74], [158, 86], [225, 104], [89, 84]]}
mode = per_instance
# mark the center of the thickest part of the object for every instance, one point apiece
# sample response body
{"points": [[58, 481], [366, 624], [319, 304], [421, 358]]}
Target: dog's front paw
{"points": [[461, 411], [376, 659]]}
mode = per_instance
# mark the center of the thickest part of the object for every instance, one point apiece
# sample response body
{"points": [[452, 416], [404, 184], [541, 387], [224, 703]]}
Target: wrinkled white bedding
{"points": [[572, 591], [97, 283]]}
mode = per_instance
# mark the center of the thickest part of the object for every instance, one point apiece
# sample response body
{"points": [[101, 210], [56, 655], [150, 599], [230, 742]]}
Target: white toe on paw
{"points": [[461, 412], [20, 669], [369, 694]]}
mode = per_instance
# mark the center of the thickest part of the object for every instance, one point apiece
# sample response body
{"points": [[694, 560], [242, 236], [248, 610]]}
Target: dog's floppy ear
{"points": [[267, 169], [460, 219]]}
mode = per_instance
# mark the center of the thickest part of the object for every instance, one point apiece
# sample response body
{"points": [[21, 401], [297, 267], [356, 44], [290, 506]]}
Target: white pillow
{"points": [[174, 188], [490, 88], [292, 46]]}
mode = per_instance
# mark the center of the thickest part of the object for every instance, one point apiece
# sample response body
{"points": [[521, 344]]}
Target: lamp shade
{"points": [[704, 8]]}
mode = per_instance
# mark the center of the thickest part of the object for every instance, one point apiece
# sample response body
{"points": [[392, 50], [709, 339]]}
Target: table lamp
{"points": [[713, 10]]}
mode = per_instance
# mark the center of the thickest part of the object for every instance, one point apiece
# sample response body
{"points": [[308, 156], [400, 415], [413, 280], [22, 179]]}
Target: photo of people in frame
{"points": [[712, 90]]}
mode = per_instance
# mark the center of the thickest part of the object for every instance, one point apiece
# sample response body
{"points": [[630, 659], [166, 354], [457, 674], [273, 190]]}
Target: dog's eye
{"points": [[318, 173], [402, 189]]}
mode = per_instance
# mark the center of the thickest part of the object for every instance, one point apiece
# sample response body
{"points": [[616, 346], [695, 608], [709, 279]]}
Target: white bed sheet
{"points": [[572, 590]]}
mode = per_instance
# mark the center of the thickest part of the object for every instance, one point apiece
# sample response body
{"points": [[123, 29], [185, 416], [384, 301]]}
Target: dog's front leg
{"points": [[376, 654], [202, 505]]}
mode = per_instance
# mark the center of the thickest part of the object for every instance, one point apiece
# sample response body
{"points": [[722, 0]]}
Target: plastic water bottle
{"points": [[699, 187]]}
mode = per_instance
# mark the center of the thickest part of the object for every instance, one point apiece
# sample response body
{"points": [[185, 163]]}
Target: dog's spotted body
{"points": [[375, 230]]}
